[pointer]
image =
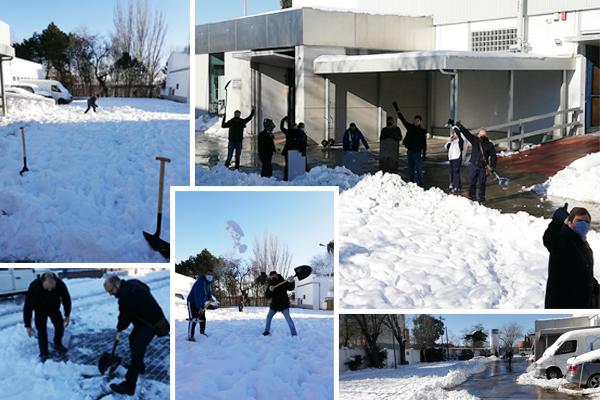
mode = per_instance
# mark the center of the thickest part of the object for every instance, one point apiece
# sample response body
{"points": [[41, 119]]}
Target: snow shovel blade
{"points": [[25, 169], [104, 363], [158, 244], [501, 181], [302, 272]]}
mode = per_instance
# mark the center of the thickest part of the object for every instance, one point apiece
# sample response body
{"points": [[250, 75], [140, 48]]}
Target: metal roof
{"points": [[436, 60]]}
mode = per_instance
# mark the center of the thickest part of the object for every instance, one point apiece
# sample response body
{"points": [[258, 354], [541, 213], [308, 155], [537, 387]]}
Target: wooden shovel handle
{"points": [[280, 283], [161, 181], [23, 141], [165, 159]]}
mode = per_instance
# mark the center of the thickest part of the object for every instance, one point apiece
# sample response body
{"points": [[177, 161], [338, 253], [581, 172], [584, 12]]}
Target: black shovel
{"points": [[108, 360], [25, 169], [154, 239], [301, 272]]}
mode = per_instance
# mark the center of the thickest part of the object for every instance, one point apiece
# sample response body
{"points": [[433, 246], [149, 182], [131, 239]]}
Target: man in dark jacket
{"points": [[91, 103], [236, 127], [201, 293], [44, 296], [279, 300], [295, 139], [483, 161], [266, 148], [571, 283], [137, 306], [352, 138], [389, 147], [415, 142]]}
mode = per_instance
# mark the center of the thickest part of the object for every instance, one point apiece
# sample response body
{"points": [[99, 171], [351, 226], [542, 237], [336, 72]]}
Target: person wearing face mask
{"points": [[389, 146], [352, 138], [266, 148], [295, 139], [415, 142], [277, 292], [483, 161], [455, 148], [44, 296], [200, 294], [139, 308], [571, 282]]}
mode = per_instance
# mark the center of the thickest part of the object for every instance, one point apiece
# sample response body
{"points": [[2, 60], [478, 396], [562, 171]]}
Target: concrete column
{"points": [[454, 96], [3, 95], [379, 109], [326, 82], [564, 105], [511, 104]]}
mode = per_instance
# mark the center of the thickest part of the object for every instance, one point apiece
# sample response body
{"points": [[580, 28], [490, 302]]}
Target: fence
{"points": [[82, 90]]}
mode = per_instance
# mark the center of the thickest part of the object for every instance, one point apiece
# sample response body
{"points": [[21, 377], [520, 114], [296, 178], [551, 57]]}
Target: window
{"points": [[177, 86], [55, 88], [567, 347], [494, 40]]}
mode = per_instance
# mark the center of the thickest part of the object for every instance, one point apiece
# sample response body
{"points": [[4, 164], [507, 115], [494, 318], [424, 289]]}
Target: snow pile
{"points": [[236, 362], [525, 148], [317, 176], [207, 121], [580, 180], [404, 247], [415, 382], [528, 378], [92, 183], [22, 376]]}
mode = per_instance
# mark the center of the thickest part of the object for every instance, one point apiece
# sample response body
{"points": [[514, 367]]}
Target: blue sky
{"points": [[457, 323], [28, 16], [207, 12], [301, 220]]}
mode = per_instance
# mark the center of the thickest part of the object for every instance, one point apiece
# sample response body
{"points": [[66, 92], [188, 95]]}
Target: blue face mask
{"points": [[581, 228], [209, 278]]}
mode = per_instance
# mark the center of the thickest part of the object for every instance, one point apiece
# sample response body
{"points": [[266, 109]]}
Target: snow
{"points": [[236, 362], [585, 357], [92, 183], [206, 121], [558, 385], [22, 376], [525, 148], [415, 382], [236, 235], [579, 181]]}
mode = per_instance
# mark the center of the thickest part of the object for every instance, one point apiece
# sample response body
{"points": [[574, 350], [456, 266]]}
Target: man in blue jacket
{"points": [[201, 293], [352, 138]]}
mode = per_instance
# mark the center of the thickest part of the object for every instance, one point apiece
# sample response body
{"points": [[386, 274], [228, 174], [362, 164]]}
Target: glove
{"points": [[290, 279], [271, 288], [395, 104], [560, 214]]}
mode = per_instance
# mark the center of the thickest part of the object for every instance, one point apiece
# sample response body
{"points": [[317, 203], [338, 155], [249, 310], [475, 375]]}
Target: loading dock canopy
{"points": [[277, 58], [438, 60]]}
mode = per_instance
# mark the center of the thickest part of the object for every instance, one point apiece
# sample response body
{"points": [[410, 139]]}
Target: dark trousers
{"points": [[415, 168], [41, 320], [231, 147], [455, 173], [195, 312], [477, 176], [90, 106], [267, 166], [139, 339]]}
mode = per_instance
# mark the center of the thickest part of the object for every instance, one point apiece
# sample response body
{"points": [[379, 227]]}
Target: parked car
{"points": [[553, 363], [584, 370], [32, 88], [15, 281], [60, 93]]}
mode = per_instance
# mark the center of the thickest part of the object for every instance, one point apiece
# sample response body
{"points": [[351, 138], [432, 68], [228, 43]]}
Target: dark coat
{"points": [[571, 282], [391, 132], [295, 139], [41, 300], [201, 292], [137, 306], [266, 146], [279, 297], [351, 141], [416, 136], [236, 127], [479, 160], [91, 101]]}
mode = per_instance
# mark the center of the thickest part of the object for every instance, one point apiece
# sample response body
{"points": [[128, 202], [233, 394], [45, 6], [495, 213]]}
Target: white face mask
{"points": [[209, 278]]}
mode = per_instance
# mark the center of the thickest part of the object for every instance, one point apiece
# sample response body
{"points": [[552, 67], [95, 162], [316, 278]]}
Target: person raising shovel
{"points": [[277, 292]]}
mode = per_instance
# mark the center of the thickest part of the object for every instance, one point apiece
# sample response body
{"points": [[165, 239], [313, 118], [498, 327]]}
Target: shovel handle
{"points": [[117, 338], [23, 141], [280, 283], [165, 159], [161, 181]]}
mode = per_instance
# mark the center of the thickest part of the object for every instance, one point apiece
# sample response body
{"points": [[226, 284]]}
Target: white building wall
{"points": [[546, 36], [20, 69], [202, 85], [313, 291], [177, 82], [4, 34], [590, 21]]}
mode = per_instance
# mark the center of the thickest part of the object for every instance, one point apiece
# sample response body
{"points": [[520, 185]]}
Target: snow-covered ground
{"points": [[425, 381], [92, 183], [236, 362], [579, 181], [404, 247], [22, 376], [209, 125], [528, 378]]}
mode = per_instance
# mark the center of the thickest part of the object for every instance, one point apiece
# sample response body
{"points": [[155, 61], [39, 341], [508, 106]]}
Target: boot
{"points": [[203, 327], [123, 388], [60, 348], [266, 333]]}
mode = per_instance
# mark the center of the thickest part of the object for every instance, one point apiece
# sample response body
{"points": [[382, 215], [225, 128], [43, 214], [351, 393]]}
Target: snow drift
{"points": [[580, 180]]}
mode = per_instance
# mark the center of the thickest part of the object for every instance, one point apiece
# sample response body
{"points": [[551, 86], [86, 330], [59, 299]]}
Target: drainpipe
{"points": [[522, 26], [453, 92]]}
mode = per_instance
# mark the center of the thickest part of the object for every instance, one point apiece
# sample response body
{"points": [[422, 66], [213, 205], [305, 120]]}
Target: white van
{"points": [[15, 280], [32, 88], [553, 363], [59, 92]]}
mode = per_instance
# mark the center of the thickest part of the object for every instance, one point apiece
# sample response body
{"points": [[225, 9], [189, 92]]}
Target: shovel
{"points": [[301, 272], [501, 181], [109, 360], [154, 239], [225, 105], [25, 169]]}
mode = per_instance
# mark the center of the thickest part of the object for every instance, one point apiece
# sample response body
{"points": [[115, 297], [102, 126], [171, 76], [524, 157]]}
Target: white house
{"points": [[490, 63], [315, 292], [177, 84]]}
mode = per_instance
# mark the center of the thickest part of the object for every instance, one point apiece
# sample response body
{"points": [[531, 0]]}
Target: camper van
{"points": [[60, 93], [15, 281], [553, 363]]}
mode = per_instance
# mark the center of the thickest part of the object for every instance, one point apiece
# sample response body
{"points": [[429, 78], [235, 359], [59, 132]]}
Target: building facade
{"points": [[177, 80]]}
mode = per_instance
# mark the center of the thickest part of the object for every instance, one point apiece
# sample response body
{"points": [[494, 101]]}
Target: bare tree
{"points": [[349, 329], [371, 327], [269, 254], [322, 264], [510, 332]]}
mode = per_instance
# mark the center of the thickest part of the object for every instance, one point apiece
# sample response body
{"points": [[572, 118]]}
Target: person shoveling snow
{"points": [[199, 300]]}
